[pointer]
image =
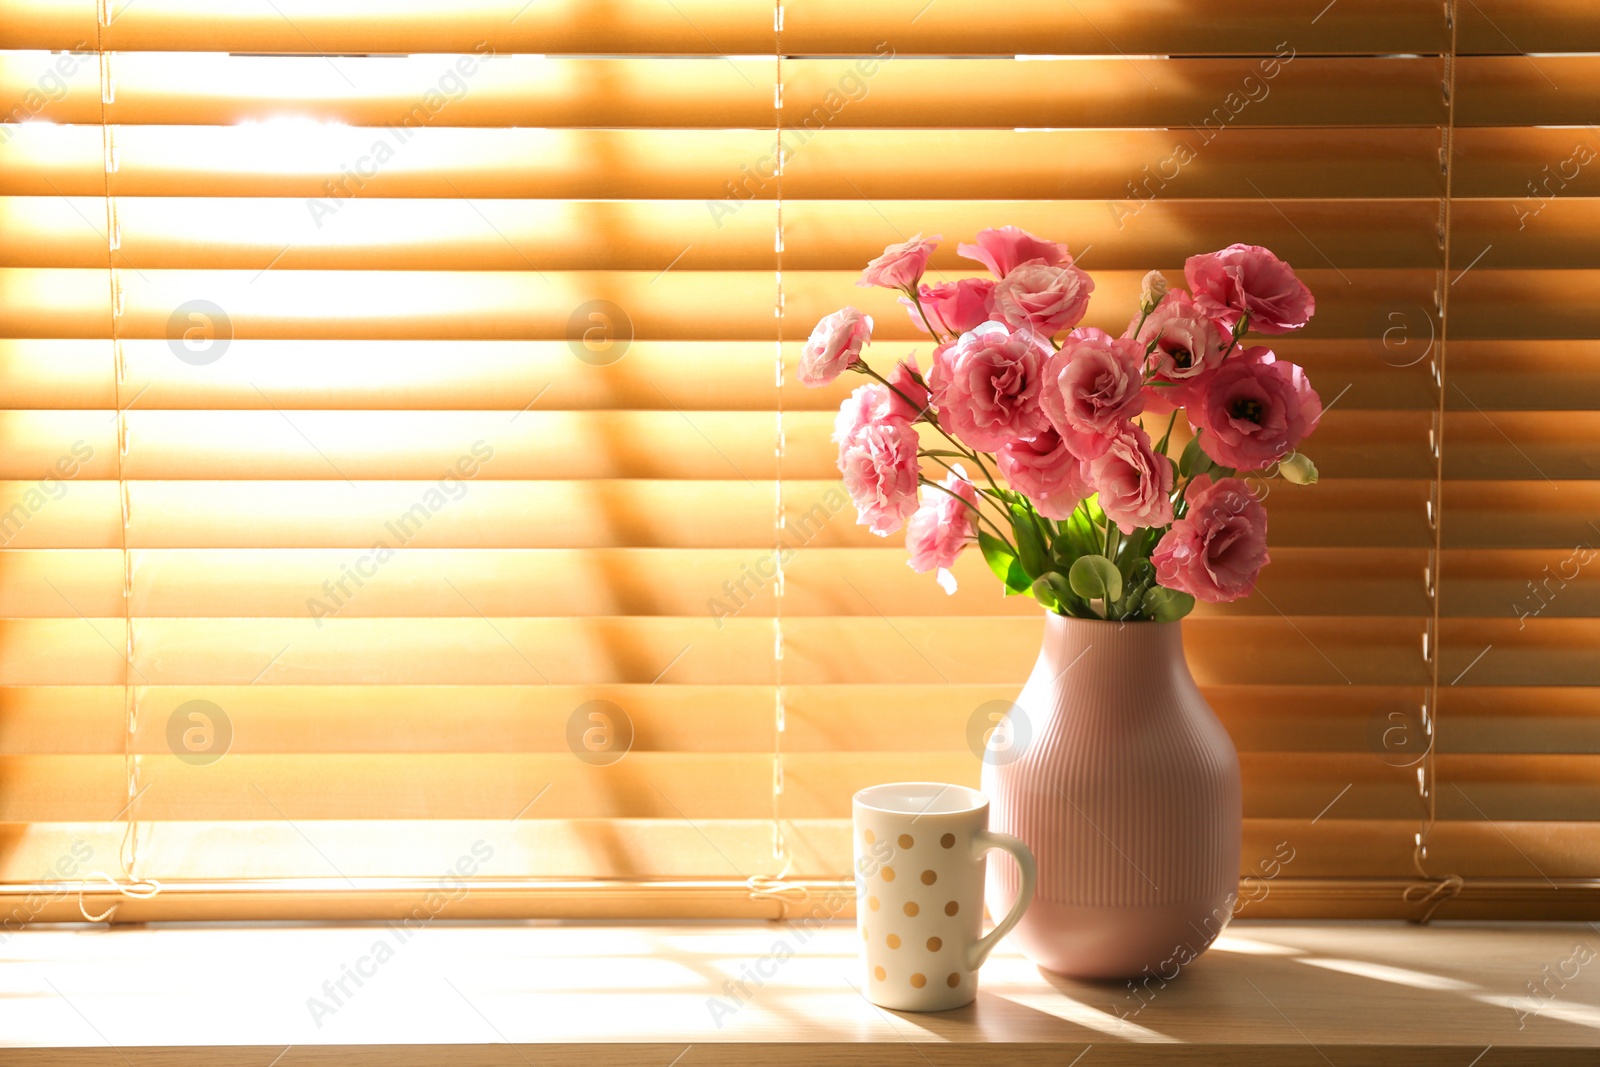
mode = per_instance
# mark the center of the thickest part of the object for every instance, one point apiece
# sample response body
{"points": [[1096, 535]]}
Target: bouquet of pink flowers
{"points": [[1068, 498]]}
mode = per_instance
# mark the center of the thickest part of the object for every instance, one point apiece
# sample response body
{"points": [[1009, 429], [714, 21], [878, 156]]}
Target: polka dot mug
{"points": [[920, 849]]}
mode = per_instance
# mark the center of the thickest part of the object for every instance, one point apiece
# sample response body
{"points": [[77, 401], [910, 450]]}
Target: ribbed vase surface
{"points": [[1126, 787]]}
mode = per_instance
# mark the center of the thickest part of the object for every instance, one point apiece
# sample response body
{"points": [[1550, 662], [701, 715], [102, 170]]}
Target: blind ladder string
{"points": [[131, 884], [776, 887], [1434, 890]]}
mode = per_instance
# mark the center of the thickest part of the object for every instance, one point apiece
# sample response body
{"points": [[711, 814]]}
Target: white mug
{"points": [[920, 849]]}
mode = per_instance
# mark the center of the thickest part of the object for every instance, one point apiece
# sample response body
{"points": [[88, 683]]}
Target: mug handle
{"points": [[984, 842]]}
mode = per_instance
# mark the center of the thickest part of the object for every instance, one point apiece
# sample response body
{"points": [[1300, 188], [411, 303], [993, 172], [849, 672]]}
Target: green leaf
{"points": [[1204, 464], [996, 554], [1044, 593], [1095, 578], [1081, 537], [1134, 560], [1031, 549], [1191, 453], [1167, 605], [1003, 563]]}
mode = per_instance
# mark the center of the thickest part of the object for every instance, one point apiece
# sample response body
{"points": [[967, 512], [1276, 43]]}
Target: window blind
{"points": [[407, 496]]}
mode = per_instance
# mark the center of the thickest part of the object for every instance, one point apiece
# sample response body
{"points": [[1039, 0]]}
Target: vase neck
{"points": [[1094, 648]]}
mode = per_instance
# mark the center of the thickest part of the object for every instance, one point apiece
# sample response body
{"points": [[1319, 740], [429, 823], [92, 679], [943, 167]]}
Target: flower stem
{"points": [[924, 410], [1041, 524], [932, 419], [1144, 314], [992, 496], [1162, 447], [917, 302], [1239, 330]]}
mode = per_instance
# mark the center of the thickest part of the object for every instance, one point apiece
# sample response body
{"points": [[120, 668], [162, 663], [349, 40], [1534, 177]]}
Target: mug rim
{"points": [[867, 799]]}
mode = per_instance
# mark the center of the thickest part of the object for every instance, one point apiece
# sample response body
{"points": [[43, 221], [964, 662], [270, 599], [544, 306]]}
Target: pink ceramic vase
{"points": [[1119, 777]]}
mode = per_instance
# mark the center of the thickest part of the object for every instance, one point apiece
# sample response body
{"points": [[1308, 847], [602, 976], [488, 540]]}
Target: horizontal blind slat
{"points": [[844, 717], [1327, 848], [1377, 373], [412, 91], [479, 88], [716, 165], [712, 583], [462, 446], [745, 26], [255, 233], [508, 305], [698, 650], [642, 785], [1349, 513]]}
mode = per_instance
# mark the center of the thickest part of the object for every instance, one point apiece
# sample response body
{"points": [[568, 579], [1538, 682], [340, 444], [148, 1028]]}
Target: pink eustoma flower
{"points": [[869, 403], [1255, 410], [1005, 249], [954, 307], [1046, 472], [1134, 481], [878, 458], [1092, 388], [1187, 344], [986, 386], [1248, 278], [1216, 551], [901, 265], [834, 346], [942, 527], [1043, 298], [908, 397]]}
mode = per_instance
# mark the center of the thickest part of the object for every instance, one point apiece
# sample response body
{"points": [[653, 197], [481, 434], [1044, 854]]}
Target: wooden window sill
{"points": [[601, 993]]}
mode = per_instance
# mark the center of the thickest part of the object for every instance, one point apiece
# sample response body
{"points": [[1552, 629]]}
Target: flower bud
{"points": [[1151, 290], [1298, 468]]}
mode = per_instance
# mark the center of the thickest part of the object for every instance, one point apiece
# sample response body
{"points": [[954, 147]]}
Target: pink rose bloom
{"points": [[906, 383], [1007, 248], [1243, 278], [1046, 472], [1092, 388], [901, 265], [1255, 410], [986, 385], [834, 346], [1134, 482], [941, 528], [954, 307], [1215, 552], [878, 458], [1043, 298]]}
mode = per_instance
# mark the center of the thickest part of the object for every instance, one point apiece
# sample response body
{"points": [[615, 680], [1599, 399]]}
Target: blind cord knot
{"points": [[777, 888], [1432, 893], [140, 889]]}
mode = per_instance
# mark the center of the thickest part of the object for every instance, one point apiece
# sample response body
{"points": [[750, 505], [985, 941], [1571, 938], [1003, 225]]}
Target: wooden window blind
{"points": [[400, 427]]}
